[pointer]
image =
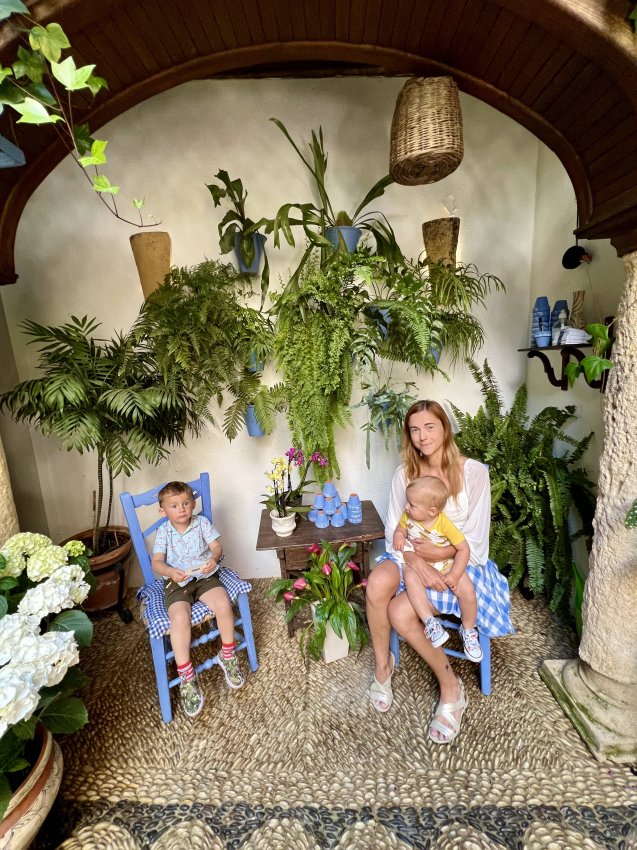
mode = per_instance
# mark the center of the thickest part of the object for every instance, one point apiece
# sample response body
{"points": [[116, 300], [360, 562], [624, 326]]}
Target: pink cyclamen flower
{"points": [[299, 584], [327, 569], [288, 596], [352, 566], [313, 549], [364, 582]]}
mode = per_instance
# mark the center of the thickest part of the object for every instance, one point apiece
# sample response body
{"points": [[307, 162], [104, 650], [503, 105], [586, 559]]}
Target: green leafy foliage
{"points": [[201, 337], [327, 584], [533, 488], [65, 715], [74, 621], [50, 41], [97, 157], [7, 8], [33, 112], [235, 222], [102, 184], [631, 516], [72, 78], [594, 364], [387, 409], [83, 140]]}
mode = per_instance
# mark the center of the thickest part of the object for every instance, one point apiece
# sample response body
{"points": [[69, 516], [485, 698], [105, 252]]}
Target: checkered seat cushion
{"points": [[155, 614]]}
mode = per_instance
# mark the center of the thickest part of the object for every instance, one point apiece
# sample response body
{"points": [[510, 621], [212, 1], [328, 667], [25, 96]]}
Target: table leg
{"points": [[366, 560]]}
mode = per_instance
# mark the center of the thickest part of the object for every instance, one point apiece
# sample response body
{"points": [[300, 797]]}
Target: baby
{"points": [[423, 518], [187, 552]]}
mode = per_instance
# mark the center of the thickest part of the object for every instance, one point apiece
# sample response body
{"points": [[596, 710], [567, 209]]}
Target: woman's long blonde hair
{"points": [[412, 458]]}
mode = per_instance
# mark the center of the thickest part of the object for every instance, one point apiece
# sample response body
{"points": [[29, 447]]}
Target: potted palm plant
{"points": [[327, 584], [108, 397]]}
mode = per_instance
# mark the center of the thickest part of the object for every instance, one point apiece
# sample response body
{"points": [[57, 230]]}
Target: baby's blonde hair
{"points": [[431, 490]]}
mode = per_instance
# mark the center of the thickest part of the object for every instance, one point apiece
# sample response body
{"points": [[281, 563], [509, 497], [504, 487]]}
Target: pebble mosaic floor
{"points": [[299, 760]]}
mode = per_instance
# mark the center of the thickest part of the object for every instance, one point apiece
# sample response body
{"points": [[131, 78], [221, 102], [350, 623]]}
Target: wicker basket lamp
{"points": [[426, 131]]}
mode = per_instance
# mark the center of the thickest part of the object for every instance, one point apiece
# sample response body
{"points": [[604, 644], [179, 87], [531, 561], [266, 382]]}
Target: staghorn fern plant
{"points": [[532, 488]]}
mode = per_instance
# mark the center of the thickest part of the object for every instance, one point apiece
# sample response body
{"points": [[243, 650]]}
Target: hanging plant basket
{"points": [[426, 131]]}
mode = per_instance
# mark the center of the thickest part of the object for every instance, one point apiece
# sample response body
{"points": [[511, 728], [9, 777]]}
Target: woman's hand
{"points": [[428, 551], [429, 576]]}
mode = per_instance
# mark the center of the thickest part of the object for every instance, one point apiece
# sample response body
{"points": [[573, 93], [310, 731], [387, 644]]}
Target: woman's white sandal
{"points": [[446, 709], [383, 693]]}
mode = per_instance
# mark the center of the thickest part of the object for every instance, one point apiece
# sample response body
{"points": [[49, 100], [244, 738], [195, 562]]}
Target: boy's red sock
{"points": [[186, 672], [227, 650]]}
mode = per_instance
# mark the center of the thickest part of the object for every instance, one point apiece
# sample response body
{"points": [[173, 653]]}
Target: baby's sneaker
{"points": [[435, 632], [471, 643]]}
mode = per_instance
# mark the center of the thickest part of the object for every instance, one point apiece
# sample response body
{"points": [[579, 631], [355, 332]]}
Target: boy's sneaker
{"points": [[435, 632], [191, 697], [471, 643], [231, 670]]}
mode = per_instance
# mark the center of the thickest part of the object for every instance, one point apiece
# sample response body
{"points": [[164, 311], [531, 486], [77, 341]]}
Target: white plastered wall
{"points": [[73, 258]]}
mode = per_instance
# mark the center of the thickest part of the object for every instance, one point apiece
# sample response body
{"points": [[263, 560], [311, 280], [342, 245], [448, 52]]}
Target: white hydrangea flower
{"points": [[51, 654], [75, 548], [64, 589], [19, 694], [27, 542], [45, 561], [15, 563], [14, 628]]}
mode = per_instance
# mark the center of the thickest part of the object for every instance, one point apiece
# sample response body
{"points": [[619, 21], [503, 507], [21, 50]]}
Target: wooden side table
{"points": [[292, 551]]}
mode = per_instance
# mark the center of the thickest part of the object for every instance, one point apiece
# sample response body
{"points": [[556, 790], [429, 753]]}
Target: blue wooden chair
{"points": [[154, 611], [485, 644]]}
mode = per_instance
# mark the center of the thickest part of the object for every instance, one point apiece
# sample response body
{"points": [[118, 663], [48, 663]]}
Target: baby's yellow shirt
{"points": [[443, 527]]}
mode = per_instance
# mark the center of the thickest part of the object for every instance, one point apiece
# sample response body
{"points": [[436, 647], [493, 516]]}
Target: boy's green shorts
{"points": [[189, 592]]}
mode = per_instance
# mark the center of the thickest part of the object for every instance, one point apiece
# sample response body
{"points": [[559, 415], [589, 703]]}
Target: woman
{"points": [[428, 448]]}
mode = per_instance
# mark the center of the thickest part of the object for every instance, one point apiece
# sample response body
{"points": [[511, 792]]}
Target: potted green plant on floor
{"points": [[327, 585], [238, 232], [533, 487], [104, 396], [386, 410], [41, 631]]}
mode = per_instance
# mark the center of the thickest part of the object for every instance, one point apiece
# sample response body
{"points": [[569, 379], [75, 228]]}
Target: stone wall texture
{"points": [[609, 638], [8, 516]]}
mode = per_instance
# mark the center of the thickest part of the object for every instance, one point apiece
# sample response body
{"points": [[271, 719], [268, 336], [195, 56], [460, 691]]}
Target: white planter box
{"points": [[334, 647]]}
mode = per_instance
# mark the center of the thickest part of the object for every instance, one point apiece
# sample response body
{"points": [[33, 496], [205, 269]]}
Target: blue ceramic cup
{"points": [[312, 515], [338, 520], [343, 510], [319, 501], [322, 521], [329, 489], [329, 507], [543, 339], [337, 500], [354, 501]]}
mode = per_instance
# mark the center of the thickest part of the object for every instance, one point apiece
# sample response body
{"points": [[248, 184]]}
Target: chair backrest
{"points": [[130, 503]]}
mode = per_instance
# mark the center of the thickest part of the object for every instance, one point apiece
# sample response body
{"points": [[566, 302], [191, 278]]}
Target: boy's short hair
{"points": [[432, 489], [174, 488]]}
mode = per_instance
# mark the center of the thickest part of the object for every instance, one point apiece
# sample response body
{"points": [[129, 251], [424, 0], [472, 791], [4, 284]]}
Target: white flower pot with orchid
{"points": [[283, 499], [327, 585]]}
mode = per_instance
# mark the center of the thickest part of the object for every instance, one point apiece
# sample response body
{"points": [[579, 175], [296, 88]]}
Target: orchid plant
{"points": [[326, 585], [39, 651], [280, 495]]}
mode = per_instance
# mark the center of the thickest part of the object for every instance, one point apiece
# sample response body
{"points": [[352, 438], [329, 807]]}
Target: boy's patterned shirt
{"points": [[188, 547]]}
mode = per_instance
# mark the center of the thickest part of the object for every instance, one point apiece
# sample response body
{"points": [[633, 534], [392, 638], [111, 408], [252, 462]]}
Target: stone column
{"points": [[8, 516], [598, 691]]}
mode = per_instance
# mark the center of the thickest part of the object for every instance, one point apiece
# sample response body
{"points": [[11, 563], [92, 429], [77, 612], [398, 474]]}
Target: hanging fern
{"points": [[533, 488]]}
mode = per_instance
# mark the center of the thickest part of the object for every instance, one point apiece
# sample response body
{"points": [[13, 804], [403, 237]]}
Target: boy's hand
{"points": [[451, 579], [177, 575], [211, 564], [399, 541]]}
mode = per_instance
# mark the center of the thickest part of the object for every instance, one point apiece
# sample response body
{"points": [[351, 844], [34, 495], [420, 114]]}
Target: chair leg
{"points": [[158, 648], [394, 646], [246, 618], [485, 664]]}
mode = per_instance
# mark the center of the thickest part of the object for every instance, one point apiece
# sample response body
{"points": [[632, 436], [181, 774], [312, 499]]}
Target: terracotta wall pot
{"points": [[151, 250], [31, 802], [106, 595]]}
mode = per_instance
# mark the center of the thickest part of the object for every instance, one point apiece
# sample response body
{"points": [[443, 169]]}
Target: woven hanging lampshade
{"points": [[426, 131]]}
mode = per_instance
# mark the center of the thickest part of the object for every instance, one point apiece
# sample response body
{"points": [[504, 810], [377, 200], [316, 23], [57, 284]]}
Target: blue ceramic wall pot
{"points": [[351, 236], [319, 501], [543, 339], [254, 429], [330, 507], [329, 489], [322, 521], [259, 241], [541, 310], [338, 520], [255, 366]]}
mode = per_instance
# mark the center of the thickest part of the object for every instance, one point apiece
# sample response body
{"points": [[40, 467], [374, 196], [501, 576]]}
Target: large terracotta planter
{"points": [[151, 249], [31, 802], [112, 584]]}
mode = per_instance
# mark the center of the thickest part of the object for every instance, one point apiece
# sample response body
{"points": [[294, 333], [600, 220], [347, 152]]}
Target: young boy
{"points": [[181, 544], [423, 518]]}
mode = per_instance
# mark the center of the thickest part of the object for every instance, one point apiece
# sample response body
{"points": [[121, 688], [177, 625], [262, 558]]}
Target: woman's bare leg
{"points": [[382, 585], [406, 622]]}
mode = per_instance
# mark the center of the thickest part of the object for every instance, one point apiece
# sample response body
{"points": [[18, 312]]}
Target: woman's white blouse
{"points": [[470, 511]]}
